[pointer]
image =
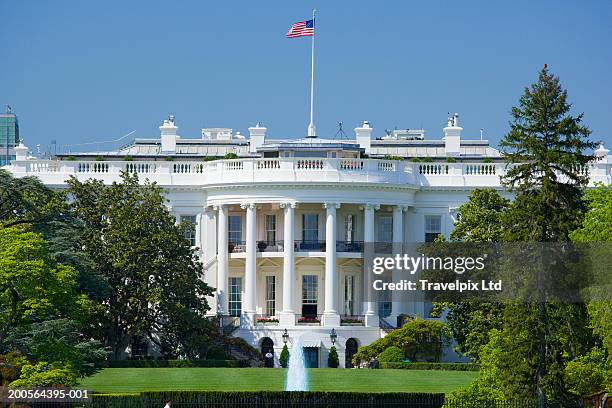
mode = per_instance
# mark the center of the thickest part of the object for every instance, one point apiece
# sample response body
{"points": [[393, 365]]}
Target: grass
{"points": [[133, 380]]}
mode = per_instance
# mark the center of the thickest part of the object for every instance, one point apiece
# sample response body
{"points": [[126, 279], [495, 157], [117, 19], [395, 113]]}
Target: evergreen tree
{"points": [[332, 359], [284, 357], [547, 150]]}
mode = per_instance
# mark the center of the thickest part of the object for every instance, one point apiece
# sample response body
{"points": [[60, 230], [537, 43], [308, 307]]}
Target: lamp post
{"points": [[285, 336], [333, 336]]}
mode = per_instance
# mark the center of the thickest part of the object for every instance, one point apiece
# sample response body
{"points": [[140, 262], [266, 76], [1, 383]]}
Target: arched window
{"points": [[350, 350], [267, 346]]}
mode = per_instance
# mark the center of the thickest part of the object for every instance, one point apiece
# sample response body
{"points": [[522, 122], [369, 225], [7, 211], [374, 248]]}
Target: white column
{"points": [[287, 316], [398, 247], [222, 256], [250, 277], [371, 317], [330, 313]]}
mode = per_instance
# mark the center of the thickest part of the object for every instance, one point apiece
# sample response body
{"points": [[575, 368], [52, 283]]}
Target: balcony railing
{"points": [[309, 246], [270, 246], [349, 246], [236, 247], [286, 170]]}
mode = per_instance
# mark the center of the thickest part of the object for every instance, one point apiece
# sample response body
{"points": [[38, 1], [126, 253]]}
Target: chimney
{"points": [[452, 136], [257, 137], [363, 136], [168, 135], [21, 152]]}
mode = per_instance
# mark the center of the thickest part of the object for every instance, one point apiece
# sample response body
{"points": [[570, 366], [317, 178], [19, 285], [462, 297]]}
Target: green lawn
{"points": [[126, 380]]}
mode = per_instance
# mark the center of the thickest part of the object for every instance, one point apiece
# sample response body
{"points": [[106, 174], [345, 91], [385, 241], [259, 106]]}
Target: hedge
{"points": [[291, 399], [433, 366], [253, 399], [175, 363]]}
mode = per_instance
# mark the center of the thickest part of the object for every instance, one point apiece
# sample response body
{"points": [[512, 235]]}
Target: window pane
{"points": [[235, 229], [271, 229], [385, 229], [190, 230], [309, 289], [310, 230], [433, 227], [349, 228], [349, 290], [235, 296], [270, 295]]}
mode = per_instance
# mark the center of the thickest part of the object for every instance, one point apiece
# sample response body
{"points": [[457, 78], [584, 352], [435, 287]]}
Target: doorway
{"points": [[311, 357]]}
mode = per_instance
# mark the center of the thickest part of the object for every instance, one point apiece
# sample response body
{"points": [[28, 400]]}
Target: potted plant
{"points": [[262, 245]]}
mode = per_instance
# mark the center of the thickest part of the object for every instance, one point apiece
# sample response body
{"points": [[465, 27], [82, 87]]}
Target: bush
{"points": [[420, 339], [175, 363], [332, 359], [431, 366], [43, 374], [127, 157], [451, 160], [391, 354], [388, 157], [209, 158], [99, 158], [230, 156], [284, 357]]}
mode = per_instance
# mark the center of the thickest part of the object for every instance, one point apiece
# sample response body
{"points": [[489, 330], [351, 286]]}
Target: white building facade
{"points": [[281, 229]]}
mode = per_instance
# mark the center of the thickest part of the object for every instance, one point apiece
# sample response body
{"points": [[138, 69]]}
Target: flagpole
{"points": [[311, 127]]}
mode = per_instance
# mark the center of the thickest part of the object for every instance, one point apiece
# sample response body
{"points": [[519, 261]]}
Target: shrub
{"points": [[388, 157], [209, 158], [175, 363], [391, 354], [487, 160], [43, 374], [284, 357], [431, 366], [127, 157], [451, 160], [169, 158], [230, 156], [332, 359], [99, 158], [420, 339], [70, 158]]}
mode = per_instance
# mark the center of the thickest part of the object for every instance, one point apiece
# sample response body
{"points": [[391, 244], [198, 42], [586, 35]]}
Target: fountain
{"points": [[297, 375]]}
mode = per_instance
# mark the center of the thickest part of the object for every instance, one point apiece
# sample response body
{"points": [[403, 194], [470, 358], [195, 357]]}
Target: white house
{"points": [[281, 229]]}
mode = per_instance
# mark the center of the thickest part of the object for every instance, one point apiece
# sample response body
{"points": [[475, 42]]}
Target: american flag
{"points": [[301, 29]]}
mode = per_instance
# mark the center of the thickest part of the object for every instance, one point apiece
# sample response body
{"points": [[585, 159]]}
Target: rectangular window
{"points": [[190, 230], [310, 287], [433, 227], [349, 228], [349, 297], [235, 229], [270, 295], [310, 227], [235, 296], [271, 229], [385, 228]]}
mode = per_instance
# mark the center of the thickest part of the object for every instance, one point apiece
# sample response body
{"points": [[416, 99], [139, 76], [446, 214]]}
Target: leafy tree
{"points": [[480, 220], [61, 340], [43, 374], [597, 223], [153, 274], [480, 217], [546, 150], [589, 374], [26, 201], [284, 357], [33, 287], [333, 361], [391, 354]]}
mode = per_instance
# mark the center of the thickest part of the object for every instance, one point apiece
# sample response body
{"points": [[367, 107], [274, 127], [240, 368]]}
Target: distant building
{"points": [[9, 136]]}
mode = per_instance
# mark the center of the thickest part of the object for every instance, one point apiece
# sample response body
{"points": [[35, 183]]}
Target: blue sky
{"points": [[81, 71]]}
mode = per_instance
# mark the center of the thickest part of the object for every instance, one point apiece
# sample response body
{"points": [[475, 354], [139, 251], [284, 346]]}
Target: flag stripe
{"points": [[301, 29]]}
